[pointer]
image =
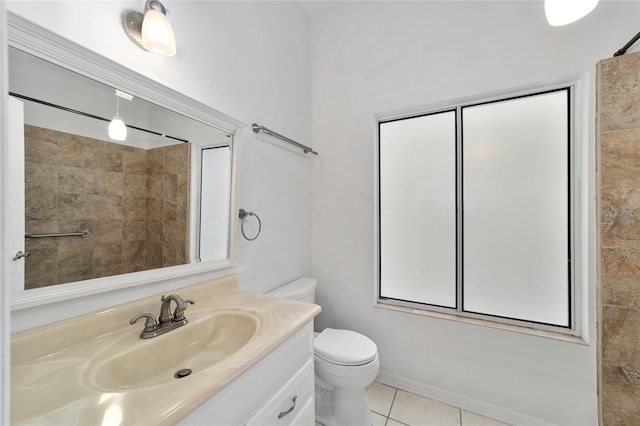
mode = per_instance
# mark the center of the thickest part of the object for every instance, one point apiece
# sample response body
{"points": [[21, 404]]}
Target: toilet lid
{"points": [[344, 347]]}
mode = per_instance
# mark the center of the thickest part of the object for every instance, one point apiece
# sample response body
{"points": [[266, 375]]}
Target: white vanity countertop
{"points": [[54, 366]]}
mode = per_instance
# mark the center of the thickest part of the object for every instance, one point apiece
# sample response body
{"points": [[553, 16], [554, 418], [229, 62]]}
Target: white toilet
{"points": [[346, 362]]}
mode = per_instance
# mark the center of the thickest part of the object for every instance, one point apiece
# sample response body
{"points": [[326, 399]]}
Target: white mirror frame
{"points": [[35, 40]]}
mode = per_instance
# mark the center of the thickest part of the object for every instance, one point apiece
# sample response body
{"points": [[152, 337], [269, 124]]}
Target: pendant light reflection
{"points": [[563, 12], [151, 30], [117, 129]]}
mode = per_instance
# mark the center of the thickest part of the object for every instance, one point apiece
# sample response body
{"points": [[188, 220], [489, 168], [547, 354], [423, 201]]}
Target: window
{"points": [[475, 210]]}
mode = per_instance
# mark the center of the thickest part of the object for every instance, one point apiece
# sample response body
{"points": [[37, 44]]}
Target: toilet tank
{"points": [[302, 289]]}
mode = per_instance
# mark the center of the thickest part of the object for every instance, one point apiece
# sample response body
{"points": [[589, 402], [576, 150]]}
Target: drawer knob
{"points": [[293, 406]]}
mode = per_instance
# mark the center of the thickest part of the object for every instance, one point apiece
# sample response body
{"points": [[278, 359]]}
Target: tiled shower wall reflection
{"points": [[133, 202], [619, 199]]}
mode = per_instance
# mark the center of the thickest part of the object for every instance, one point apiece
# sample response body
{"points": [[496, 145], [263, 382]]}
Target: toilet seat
{"points": [[344, 347]]}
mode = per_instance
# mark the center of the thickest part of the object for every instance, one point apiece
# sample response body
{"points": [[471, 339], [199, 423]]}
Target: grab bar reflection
{"points": [[83, 233]]}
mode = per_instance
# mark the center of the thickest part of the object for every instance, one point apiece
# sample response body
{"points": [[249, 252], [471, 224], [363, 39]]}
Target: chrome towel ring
{"points": [[242, 214]]}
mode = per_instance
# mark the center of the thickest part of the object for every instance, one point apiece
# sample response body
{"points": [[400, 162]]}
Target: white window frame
{"points": [[580, 208]]}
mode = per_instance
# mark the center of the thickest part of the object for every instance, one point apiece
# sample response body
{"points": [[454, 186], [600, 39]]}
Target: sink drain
{"points": [[182, 373]]}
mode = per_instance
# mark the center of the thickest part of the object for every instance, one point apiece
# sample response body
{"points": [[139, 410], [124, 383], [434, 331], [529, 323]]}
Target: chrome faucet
{"points": [[166, 316], [167, 321]]}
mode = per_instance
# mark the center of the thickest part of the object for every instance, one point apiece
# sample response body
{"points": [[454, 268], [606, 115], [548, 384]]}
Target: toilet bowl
{"points": [[345, 363]]}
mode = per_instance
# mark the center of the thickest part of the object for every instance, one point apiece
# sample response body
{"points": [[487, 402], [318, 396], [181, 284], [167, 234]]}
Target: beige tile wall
{"points": [[127, 198], [167, 205], [618, 120]]}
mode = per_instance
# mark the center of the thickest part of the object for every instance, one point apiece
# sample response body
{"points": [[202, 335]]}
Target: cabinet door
{"points": [[290, 405]]}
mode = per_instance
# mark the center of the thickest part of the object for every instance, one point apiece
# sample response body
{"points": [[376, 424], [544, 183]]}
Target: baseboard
{"points": [[466, 403]]}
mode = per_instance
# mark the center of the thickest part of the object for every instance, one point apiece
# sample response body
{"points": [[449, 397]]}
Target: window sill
{"points": [[485, 323]]}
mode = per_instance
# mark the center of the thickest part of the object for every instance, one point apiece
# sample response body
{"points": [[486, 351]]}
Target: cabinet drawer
{"points": [[307, 414], [292, 400]]}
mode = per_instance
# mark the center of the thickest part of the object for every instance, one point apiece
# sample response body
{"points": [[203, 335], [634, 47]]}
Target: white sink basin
{"points": [[199, 344]]}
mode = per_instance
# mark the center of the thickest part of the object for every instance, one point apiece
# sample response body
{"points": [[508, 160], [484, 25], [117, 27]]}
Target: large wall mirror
{"points": [[100, 209]]}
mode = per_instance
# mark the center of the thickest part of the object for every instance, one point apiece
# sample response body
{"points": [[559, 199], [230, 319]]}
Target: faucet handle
{"points": [[178, 314], [150, 324]]}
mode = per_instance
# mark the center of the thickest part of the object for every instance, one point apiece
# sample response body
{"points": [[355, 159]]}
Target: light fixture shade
{"points": [[157, 34], [117, 129], [563, 12]]}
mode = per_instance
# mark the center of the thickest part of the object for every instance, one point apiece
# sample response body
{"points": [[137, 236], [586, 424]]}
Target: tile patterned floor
{"points": [[395, 407]]}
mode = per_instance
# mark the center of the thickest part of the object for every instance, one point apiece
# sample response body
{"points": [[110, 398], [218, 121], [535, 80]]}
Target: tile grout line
{"points": [[391, 406]]}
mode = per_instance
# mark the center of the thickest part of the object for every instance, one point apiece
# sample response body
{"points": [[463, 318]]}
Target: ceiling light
{"points": [[151, 31], [563, 12], [117, 128]]}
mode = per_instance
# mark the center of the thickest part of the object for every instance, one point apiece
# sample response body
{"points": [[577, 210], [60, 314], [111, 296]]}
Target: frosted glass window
{"points": [[475, 212], [516, 208], [215, 202], [418, 209]]}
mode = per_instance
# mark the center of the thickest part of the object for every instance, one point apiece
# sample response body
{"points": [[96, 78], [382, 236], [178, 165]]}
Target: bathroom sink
{"points": [[203, 342]]}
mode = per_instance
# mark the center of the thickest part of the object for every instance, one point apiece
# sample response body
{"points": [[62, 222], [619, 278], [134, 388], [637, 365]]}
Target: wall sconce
{"points": [[563, 12], [117, 129], [151, 29]]}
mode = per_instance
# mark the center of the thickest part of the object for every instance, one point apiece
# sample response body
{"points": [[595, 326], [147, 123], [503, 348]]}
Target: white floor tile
{"points": [[378, 420], [380, 397], [470, 419], [417, 411]]}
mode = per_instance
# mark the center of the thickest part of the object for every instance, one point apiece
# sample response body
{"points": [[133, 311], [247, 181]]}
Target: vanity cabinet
{"points": [[277, 390]]}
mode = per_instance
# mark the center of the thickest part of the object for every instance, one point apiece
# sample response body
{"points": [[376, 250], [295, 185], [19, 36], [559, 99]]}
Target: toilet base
{"points": [[343, 407]]}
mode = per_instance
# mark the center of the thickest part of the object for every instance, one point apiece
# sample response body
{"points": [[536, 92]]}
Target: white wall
{"points": [[370, 58], [249, 60]]}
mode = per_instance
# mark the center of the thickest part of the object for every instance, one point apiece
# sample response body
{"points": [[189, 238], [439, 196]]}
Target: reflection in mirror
{"points": [[215, 188], [96, 207]]}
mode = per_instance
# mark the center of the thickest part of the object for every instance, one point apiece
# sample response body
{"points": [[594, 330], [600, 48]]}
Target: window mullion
{"points": [[459, 242]]}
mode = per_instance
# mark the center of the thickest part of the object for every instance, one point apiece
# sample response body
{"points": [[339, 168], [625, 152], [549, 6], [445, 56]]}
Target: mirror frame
{"points": [[35, 40]]}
